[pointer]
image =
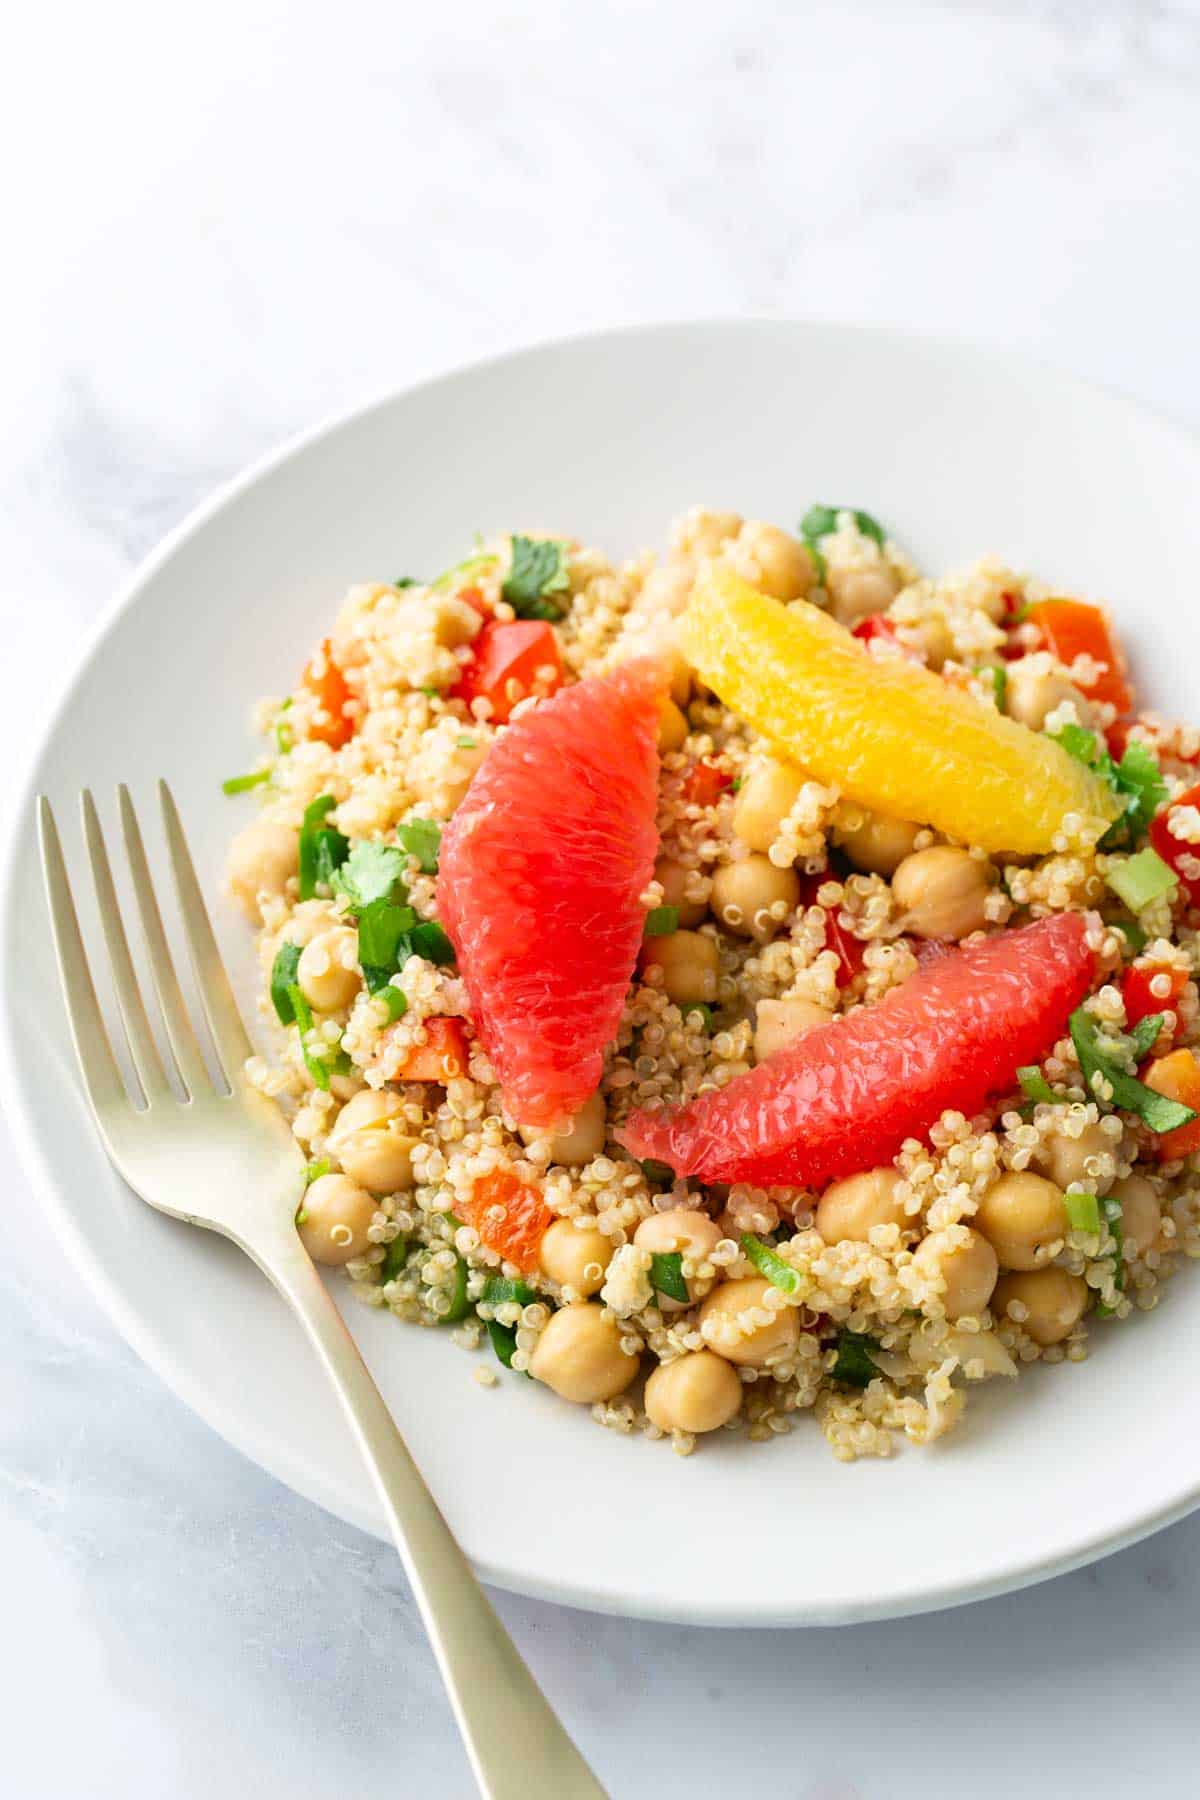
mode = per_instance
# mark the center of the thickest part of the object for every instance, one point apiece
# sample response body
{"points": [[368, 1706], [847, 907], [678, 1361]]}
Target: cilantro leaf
{"points": [[539, 569], [1144, 1035], [302, 1013], [1036, 1087], [819, 521], [322, 849], [661, 921], [1136, 781], [1128, 1093], [283, 979], [853, 1364], [422, 838], [383, 929], [427, 939], [470, 565], [372, 871], [666, 1275]]}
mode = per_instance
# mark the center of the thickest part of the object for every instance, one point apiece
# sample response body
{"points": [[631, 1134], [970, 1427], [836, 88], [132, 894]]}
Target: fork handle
{"points": [[516, 1744]]}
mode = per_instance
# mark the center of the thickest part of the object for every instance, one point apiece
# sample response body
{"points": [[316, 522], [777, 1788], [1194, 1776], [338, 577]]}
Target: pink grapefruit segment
{"points": [[845, 1096], [539, 880]]}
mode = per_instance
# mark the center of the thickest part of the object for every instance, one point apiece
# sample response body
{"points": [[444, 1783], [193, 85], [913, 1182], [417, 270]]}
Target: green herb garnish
{"points": [[285, 737], [372, 871], [661, 921], [396, 1001], [1083, 1212], [470, 565], [1036, 1087], [427, 939], [466, 743], [819, 521], [853, 1363], [383, 929], [666, 1275], [405, 581], [779, 1273], [394, 1259], [705, 1011], [283, 979], [1114, 1219], [460, 1306], [538, 571], [1136, 781], [322, 849], [422, 838], [498, 1290], [302, 1013], [1139, 880], [1128, 1093], [1131, 931], [315, 1170], [241, 784], [999, 676]]}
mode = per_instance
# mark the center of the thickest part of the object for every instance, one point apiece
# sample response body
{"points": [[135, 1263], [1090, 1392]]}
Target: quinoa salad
{"points": [[747, 987]]}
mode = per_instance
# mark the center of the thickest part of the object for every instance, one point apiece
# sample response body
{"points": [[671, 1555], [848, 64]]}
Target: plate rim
{"points": [[154, 1349]]}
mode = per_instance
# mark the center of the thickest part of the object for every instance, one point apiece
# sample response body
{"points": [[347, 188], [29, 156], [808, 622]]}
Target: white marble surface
{"points": [[224, 221]]}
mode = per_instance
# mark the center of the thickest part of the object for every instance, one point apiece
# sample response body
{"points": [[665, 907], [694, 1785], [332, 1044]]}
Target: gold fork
{"points": [[225, 1158]]}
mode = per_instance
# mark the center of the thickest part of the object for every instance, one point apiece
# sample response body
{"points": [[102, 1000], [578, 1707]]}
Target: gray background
{"points": [[225, 221]]}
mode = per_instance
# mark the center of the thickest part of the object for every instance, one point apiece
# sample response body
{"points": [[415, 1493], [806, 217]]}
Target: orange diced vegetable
{"points": [[323, 678], [442, 1056], [1072, 628], [510, 1217], [1178, 1077], [506, 657]]}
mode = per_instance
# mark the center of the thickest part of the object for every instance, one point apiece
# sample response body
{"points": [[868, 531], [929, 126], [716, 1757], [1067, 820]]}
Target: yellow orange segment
{"points": [[889, 734]]}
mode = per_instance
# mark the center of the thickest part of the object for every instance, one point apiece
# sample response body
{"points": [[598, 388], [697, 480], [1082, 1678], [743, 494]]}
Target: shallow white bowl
{"points": [[959, 450]]}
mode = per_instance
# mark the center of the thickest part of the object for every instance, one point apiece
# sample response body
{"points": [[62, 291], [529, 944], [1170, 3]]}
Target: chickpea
{"points": [[743, 894], [697, 1392], [673, 877], [580, 1355], [1054, 1302], [1034, 691], [772, 561], [262, 859], [943, 891], [855, 594], [574, 1258], [672, 727], [1141, 1215], [369, 1141], [1065, 1159], [764, 800], [704, 532], [334, 1218], [968, 1268], [1022, 1216], [327, 973], [580, 1140], [691, 1233], [849, 1209], [689, 961], [879, 845], [778, 1023], [763, 1343]]}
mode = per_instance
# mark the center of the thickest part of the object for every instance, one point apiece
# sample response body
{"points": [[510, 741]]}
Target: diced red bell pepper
{"points": [[1174, 852], [1072, 628], [1140, 999], [849, 949], [505, 659], [1178, 1077], [443, 1055], [323, 678], [510, 1216], [705, 782]]}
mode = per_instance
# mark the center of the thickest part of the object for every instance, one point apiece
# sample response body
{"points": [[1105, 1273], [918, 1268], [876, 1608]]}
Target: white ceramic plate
{"points": [[960, 450]]}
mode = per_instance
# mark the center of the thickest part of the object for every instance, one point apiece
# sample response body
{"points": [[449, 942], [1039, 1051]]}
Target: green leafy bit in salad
{"points": [[537, 573], [459, 1306], [1110, 1207], [1131, 931], [1083, 1212], [999, 677], [383, 929], [1107, 1078], [394, 1259], [661, 921], [820, 521], [422, 838], [853, 1363], [700, 1009], [779, 1273], [283, 979], [1035, 1086], [302, 1013], [406, 581], [1139, 880], [466, 743], [395, 1000], [666, 1274], [323, 850], [462, 571], [428, 940], [372, 872], [498, 1290], [315, 1170], [241, 784], [1136, 781], [285, 737]]}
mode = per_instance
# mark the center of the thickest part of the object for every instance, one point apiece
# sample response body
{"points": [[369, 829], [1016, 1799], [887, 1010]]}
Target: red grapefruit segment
{"points": [[539, 880], [845, 1096]]}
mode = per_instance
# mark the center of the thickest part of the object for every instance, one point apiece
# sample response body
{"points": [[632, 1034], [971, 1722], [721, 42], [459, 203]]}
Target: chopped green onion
{"points": [[372, 871], [283, 979], [1035, 1085], [661, 921], [1128, 1093], [241, 784], [422, 838], [666, 1274], [285, 737], [470, 565], [503, 1339], [405, 581], [1139, 880], [779, 1273], [430, 941], [322, 849], [1145, 1035], [1083, 1212], [705, 1011], [302, 1012], [658, 1172], [460, 1306], [498, 1290], [395, 1000], [853, 1363], [538, 570], [999, 675], [394, 1259]]}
